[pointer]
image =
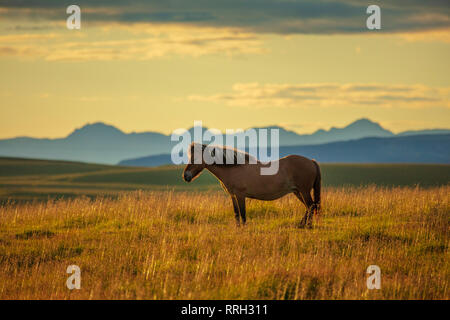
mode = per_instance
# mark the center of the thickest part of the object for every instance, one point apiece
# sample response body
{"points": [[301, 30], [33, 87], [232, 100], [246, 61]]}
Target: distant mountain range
{"points": [[405, 149], [102, 143]]}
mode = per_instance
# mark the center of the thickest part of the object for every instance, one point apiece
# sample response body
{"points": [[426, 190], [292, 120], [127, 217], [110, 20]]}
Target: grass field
{"points": [[168, 243]]}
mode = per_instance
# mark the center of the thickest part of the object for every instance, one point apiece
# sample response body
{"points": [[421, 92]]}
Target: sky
{"points": [[160, 65]]}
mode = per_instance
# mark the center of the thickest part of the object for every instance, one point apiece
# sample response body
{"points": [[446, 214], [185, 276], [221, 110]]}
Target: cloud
{"points": [[427, 36], [140, 42], [257, 95], [153, 29], [260, 16]]}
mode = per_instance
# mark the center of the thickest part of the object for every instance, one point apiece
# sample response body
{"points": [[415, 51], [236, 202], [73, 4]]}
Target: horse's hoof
{"points": [[301, 225], [305, 225]]}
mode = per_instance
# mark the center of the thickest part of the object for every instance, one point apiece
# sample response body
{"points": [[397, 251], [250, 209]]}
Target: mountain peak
{"points": [[275, 127], [364, 122], [360, 128], [366, 127], [97, 129]]}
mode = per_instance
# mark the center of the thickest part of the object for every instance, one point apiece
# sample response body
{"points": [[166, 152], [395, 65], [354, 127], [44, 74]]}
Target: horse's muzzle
{"points": [[187, 176]]}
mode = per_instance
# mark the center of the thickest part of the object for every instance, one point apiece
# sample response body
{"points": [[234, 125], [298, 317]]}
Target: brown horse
{"points": [[295, 174]]}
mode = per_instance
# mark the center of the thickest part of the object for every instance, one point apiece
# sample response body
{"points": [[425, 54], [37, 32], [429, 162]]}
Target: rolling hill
{"points": [[28, 179]]}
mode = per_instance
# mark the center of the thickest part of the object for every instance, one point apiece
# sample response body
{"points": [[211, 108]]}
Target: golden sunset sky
{"points": [[160, 65]]}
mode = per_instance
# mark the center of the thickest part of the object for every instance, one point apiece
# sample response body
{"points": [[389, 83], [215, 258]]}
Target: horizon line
{"points": [[221, 131]]}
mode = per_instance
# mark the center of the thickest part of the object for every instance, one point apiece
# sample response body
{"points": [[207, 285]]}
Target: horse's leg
{"points": [[241, 203], [309, 204], [305, 217], [236, 209], [306, 199]]}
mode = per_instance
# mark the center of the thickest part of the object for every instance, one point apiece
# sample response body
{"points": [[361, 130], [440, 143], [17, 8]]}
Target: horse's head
{"points": [[196, 163]]}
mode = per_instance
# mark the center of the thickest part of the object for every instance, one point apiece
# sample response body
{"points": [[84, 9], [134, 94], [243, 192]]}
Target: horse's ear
{"points": [[192, 148]]}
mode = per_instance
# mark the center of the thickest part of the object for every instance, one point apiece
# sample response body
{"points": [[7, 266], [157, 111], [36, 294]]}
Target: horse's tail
{"points": [[316, 187]]}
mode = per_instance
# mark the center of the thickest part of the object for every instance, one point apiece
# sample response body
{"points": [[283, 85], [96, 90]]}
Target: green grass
{"points": [[425, 175], [10, 167], [28, 179]]}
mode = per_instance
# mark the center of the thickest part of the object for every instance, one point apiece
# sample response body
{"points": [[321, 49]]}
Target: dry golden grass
{"points": [[169, 245]]}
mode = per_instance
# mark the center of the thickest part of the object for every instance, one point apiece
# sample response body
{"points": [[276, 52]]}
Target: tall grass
{"points": [[166, 245]]}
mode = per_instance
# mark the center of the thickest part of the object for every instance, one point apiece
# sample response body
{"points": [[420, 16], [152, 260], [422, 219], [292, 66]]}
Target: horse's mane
{"points": [[230, 155]]}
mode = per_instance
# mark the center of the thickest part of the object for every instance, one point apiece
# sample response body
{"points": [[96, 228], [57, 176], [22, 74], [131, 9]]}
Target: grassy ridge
{"points": [[24, 179], [22, 167], [178, 245]]}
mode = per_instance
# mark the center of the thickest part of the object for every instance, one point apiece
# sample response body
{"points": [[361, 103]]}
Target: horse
{"points": [[243, 179]]}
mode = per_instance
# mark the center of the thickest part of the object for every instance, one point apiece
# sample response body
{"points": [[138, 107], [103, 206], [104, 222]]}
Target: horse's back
{"points": [[298, 161]]}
